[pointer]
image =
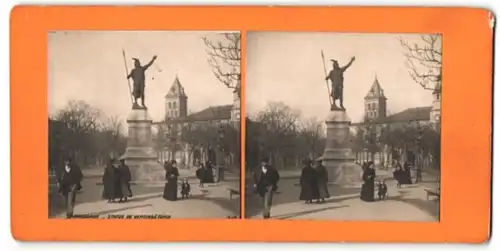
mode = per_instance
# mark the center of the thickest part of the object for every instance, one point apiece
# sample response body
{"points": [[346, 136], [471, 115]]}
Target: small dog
{"points": [[382, 190], [185, 189]]}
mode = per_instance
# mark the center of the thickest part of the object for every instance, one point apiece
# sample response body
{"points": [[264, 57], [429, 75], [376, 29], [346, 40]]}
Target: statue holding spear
{"points": [[336, 75], [138, 75]]}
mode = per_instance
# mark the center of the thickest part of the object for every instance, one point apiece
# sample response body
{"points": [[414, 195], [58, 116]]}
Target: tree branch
{"points": [[424, 60], [224, 57]]}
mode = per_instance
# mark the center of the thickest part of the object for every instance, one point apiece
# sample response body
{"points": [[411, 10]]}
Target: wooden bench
{"points": [[432, 192], [232, 192]]}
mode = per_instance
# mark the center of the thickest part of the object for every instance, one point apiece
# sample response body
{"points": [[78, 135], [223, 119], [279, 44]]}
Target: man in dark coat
{"points": [[68, 181], [406, 174], [125, 177], [265, 184], [308, 182]]}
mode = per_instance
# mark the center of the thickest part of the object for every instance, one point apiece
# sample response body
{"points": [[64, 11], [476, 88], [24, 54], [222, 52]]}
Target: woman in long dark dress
{"points": [[397, 173], [308, 183], [171, 176], [404, 175], [117, 182], [108, 191], [200, 174], [125, 177], [209, 173], [408, 174], [368, 188], [322, 181]]}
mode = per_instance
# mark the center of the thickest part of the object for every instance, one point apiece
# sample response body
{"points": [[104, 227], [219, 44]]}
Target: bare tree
{"points": [[279, 118], [280, 123], [424, 60], [224, 58], [79, 117], [113, 124], [111, 137], [79, 120], [311, 133]]}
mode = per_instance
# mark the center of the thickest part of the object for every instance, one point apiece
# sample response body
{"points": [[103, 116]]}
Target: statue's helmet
{"points": [[335, 63], [137, 63]]}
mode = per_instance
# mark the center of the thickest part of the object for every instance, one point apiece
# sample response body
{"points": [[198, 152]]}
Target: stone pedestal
{"points": [[140, 155], [338, 157]]}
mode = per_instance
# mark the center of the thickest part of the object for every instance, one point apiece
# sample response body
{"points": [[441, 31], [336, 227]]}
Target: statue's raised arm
{"points": [[150, 63], [348, 64]]}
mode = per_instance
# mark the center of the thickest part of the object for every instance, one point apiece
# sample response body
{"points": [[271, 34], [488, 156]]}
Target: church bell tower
{"points": [[375, 102], [176, 101]]}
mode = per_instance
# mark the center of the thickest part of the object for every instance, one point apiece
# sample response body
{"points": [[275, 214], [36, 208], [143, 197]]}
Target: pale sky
{"points": [[287, 66], [89, 65]]}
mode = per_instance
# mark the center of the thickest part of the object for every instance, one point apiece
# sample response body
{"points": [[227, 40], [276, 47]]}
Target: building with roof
{"points": [[178, 122], [376, 120]]}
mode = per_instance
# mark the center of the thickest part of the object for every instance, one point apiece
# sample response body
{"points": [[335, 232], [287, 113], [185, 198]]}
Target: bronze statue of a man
{"points": [[138, 75], [336, 75]]}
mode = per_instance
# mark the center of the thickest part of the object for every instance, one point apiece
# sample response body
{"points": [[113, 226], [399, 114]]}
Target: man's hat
{"points": [[319, 159], [122, 157], [136, 60]]}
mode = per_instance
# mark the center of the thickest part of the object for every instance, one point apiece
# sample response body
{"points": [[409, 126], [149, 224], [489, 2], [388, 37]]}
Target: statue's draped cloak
{"points": [[337, 78]]}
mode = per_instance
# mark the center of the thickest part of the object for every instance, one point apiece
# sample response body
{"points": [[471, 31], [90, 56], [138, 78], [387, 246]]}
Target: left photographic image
{"points": [[144, 124]]}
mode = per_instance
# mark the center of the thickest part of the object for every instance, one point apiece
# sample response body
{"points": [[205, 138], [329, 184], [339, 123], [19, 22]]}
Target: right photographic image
{"points": [[343, 126]]}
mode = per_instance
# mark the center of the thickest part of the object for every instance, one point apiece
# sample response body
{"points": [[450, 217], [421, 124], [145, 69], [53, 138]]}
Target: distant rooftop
{"points": [[405, 116], [222, 112], [212, 113]]}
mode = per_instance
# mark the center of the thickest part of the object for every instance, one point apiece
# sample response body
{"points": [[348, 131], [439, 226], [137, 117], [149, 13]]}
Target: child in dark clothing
{"points": [[185, 189], [382, 190]]}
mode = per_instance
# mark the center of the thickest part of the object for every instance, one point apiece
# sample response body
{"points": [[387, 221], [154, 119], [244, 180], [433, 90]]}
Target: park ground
{"points": [[408, 203], [212, 201]]}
